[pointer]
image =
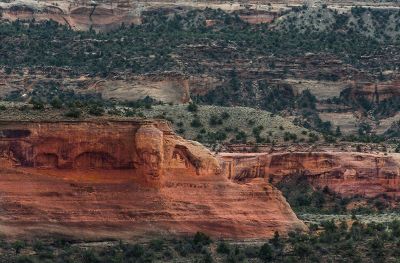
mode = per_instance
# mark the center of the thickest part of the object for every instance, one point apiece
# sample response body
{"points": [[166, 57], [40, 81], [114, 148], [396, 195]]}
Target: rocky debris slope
{"points": [[122, 179]]}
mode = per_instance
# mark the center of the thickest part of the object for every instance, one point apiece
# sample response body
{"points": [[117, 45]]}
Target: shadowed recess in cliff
{"points": [[94, 160], [14, 134], [46, 160], [182, 158]]}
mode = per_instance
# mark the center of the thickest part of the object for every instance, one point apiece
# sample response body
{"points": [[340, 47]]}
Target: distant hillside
{"points": [[329, 70], [214, 124]]}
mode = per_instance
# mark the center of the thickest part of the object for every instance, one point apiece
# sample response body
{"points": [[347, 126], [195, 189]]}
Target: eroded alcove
{"points": [[91, 160]]}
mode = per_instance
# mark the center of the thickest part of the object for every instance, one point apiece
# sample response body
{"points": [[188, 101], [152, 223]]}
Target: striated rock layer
{"points": [[347, 173], [125, 179], [75, 15], [151, 148]]}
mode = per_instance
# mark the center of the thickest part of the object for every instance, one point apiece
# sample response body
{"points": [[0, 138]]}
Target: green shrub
{"points": [[37, 104], [90, 256], [241, 136], [223, 248], [73, 113], [56, 103], [225, 115], [96, 110], [133, 251], [196, 123], [266, 253], [302, 249], [25, 259], [214, 120], [156, 244], [192, 107], [201, 238], [18, 245]]}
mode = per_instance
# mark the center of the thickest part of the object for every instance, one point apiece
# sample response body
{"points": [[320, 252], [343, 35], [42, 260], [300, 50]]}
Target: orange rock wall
{"points": [[348, 173], [151, 148], [126, 179]]}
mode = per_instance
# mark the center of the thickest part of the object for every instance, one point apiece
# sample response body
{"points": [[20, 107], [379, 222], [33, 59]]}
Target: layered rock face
{"points": [[76, 15], [123, 179], [347, 173], [102, 15], [148, 147], [373, 92]]}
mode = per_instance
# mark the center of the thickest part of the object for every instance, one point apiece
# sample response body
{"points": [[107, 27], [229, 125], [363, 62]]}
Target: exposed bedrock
{"points": [[149, 147], [109, 15], [372, 92], [99, 17], [123, 179], [347, 173]]}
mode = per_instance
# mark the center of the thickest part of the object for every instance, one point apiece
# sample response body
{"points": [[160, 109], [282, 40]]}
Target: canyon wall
{"points": [[109, 15], [347, 173], [75, 15], [124, 179], [372, 92], [151, 148]]}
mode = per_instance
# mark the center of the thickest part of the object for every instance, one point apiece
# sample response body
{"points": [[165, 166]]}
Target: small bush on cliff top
{"points": [[73, 113], [96, 110], [37, 104], [196, 123], [56, 103]]}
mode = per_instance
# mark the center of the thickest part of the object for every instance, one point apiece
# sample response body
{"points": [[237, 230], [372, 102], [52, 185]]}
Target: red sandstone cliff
{"points": [[141, 146], [125, 179], [347, 173]]}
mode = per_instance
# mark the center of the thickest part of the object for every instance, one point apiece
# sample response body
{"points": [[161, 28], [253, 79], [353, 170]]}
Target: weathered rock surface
{"points": [[168, 88], [108, 15], [77, 16], [124, 179], [105, 15], [106, 145], [347, 173], [373, 92]]}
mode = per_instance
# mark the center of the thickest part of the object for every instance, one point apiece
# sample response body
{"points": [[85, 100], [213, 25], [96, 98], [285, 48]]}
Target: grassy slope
{"points": [[243, 118]]}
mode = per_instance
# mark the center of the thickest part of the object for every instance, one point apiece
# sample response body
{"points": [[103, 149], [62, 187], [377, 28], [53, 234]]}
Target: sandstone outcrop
{"points": [[373, 92], [121, 179], [145, 146], [105, 15], [347, 173], [109, 15], [168, 87], [75, 15]]}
